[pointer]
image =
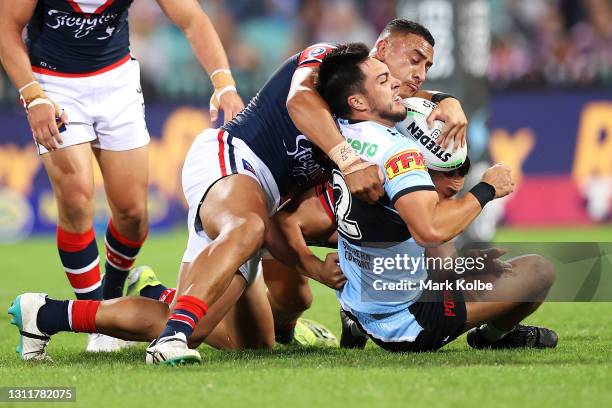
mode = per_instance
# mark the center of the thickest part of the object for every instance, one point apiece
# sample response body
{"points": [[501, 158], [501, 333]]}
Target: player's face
{"points": [[382, 92], [409, 57], [446, 186]]}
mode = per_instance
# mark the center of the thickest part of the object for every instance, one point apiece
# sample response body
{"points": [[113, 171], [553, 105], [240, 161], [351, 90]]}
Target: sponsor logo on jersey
{"points": [[305, 165], [404, 162], [82, 25], [363, 148]]}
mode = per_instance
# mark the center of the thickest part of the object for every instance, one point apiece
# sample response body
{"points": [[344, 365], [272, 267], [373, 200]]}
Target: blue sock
{"points": [[53, 317], [181, 321], [153, 292]]}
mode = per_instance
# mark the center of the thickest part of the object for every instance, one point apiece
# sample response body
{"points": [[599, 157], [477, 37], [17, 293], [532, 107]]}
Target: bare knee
{"points": [[132, 218], [247, 233], [75, 208], [295, 301], [544, 270]]}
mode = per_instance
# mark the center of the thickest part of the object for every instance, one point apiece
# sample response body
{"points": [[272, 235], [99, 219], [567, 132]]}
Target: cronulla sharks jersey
{"points": [[72, 37], [377, 254]]}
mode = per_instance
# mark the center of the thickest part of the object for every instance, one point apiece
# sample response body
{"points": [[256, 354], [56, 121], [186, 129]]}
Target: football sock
{"points": [[167, 296], [185, 316], [153, 292], [284, 332], [79, 255], [120, 256], [53, 316], [66, 315], [491, 333]]}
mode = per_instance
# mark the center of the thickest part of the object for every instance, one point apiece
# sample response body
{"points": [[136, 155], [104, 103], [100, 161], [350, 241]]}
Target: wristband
{"points": [[439, 97], [484, 192], [222, 78], [344, 156]]}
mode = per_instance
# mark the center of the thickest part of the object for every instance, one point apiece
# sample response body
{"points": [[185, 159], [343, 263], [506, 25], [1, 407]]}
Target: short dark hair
{"points": [[340, 76], [403, 26]]}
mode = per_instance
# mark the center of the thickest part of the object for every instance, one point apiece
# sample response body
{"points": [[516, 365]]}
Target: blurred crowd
{"points": [[534, 42], [551, 43]]}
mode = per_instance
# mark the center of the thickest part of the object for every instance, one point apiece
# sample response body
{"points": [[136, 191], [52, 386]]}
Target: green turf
{"points": [[577, 373]]}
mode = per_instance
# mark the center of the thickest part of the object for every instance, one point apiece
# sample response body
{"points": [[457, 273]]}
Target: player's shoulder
{"points": [[313, 55], [373, 141]]}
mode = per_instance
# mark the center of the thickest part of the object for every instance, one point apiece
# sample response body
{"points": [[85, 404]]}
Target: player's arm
{"points": [[433, 222], [207, 47], [449, 111], [312, 116], [285, 240], [42, 111]]}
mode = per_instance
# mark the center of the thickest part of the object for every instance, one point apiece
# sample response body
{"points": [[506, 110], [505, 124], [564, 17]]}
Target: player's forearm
{"points": [[14, 56], [206, 43], [312, 116], [452, 217], [286, 243]]}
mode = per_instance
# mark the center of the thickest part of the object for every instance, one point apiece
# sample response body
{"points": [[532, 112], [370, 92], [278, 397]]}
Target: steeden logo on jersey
{"points": [[404, 162], [305, 164], [80, 25]]}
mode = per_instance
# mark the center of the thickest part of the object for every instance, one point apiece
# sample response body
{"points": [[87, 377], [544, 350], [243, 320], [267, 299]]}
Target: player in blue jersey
{"points": [[398, 307], [233, 179], [81, 90]]}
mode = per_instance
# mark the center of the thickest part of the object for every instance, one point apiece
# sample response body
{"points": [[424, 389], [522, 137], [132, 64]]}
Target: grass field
{"points": [[577, 373]]}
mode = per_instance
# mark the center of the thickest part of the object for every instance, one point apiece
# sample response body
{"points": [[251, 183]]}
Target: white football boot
{"points": [[172, 350], [32, 341], [101, 343]]}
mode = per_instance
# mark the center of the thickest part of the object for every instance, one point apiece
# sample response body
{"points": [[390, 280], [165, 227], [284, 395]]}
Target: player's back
{"points": [[374, 244], [266, 127]]}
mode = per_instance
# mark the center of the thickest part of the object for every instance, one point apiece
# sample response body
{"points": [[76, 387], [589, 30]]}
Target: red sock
{"points": [[83, 315]]}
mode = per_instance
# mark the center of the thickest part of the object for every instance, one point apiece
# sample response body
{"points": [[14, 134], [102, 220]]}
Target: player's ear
{"points": [[357, 102], [381, 49]]}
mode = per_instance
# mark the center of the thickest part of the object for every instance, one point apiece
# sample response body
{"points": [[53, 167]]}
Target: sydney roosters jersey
{"points": [[265, 126], [78, 36]]}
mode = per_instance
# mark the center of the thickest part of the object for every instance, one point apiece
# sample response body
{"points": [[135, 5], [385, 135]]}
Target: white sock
{"points": [[492, 333]]}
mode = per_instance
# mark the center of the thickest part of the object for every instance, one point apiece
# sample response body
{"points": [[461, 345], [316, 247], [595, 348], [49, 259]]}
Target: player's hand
{"points": [[500, 177], [492, 263], [366, 183], [330, 274], [450, 112], [44, 125], [230, 103]]}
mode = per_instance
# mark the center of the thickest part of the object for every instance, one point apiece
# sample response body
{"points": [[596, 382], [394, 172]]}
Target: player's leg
{"points": [[125, 175], [289, 296], [234, 216], [247, 324], [494, 316], [71, 175]]}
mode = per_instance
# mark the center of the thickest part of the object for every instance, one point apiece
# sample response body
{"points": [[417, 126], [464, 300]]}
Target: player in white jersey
{"points": [[407, 316], [81, 90]]}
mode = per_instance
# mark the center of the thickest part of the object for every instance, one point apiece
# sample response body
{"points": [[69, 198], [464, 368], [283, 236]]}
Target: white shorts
{"points": [[106, 109], [214, 155]]}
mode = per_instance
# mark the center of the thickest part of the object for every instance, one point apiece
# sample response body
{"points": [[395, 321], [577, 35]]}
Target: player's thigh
{"points": [[126, 178], [287, 288], [234, 202], [249, 323], [70, 172]]}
